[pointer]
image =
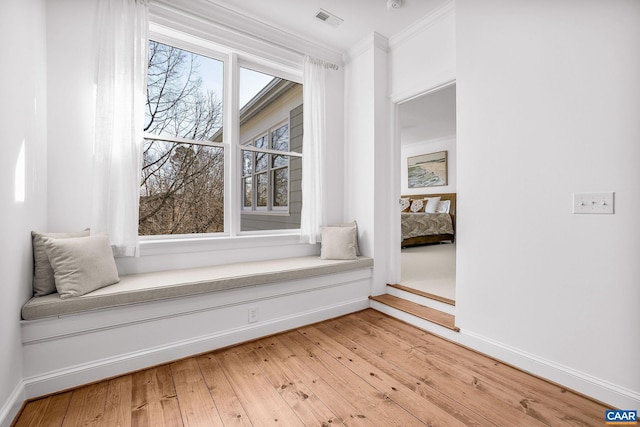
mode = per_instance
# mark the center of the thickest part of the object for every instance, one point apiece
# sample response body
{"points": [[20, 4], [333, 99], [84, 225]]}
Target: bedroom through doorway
{"points": [[427, 128]]}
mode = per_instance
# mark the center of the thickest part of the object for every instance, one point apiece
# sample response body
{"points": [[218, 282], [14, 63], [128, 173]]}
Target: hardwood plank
{"points": [[117, 410], [196, 405], [373, 403], [307, 406], [273, 349], [262, 402], [534, 396], [48, 411], [423, 294], [154, 402], [87, 405], [31, 414], [229, 407], [432, 315], [427, 404]]}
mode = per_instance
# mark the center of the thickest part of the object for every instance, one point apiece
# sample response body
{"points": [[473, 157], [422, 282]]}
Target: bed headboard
{"points": [[443, 196]]}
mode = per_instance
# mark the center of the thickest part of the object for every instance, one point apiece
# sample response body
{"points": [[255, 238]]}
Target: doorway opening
{"points": [[427, 138]]}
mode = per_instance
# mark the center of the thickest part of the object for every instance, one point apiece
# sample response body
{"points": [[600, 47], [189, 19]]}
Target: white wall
{"points": [[431, 146], [23, 112], [71, 101], [71, 70], [548, 105], [423, 56]]}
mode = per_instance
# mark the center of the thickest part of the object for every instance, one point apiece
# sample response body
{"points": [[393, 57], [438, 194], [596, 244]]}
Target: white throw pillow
{"points": [[81, 264], [432, 204], [443, 206], [43, 281], [338, 243]]}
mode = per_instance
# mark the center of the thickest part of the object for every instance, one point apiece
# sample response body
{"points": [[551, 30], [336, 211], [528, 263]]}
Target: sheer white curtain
{"points": [[313, 146], [121, 73]]}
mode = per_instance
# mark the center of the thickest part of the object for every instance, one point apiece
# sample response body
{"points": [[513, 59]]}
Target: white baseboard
{"points": [[109, 367], [599, 389], [12, 406]]}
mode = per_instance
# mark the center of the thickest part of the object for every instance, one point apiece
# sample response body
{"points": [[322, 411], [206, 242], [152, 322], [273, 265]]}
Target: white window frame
{"points": [[233, 61]]}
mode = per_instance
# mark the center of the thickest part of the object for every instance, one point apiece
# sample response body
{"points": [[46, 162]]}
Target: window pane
{"points": [[262, 184], [271, 119], [262, 142], [184, 94], [280, 138], [182, 189], [247, 163], [280, 142], [247, 192], [281, 187], [261, 161]]}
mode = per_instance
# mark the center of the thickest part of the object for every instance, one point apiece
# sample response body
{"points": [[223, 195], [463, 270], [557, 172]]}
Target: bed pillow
{"points": [[338, 243], [43, 282], [443, 206], [405, 204], [417, 205], [432, 204], [81, 264]]}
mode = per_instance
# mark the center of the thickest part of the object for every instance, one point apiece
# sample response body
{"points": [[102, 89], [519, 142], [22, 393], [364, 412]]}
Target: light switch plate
{"points": [[593, 203]]}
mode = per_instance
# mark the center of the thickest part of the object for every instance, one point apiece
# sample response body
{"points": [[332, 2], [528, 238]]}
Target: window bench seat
{"points": [[147, 287], [153, 318]]}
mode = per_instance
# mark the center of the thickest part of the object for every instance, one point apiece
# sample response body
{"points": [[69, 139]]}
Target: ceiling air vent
{"points": [[330, 19]]}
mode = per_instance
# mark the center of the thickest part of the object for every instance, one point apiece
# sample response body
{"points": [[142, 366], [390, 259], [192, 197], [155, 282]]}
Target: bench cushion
{"points": [[145, 287]]}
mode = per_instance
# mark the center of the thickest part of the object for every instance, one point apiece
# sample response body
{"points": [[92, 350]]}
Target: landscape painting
{"points": [[427, 170]]}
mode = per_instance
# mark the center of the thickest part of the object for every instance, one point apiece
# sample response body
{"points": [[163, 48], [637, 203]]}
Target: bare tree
{"points": [[182, 188]]}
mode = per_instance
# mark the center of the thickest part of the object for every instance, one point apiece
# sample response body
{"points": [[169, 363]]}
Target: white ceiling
{"points": [[428, 117], [361, 17]]}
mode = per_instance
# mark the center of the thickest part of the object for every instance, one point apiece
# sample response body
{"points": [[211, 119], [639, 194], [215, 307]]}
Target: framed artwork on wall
{"points": [[427, 170]]}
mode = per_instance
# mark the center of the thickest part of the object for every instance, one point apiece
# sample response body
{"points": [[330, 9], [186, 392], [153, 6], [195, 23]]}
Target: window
{"points": [[182, 187], [265, 175], [271, 149], [188, 163]]}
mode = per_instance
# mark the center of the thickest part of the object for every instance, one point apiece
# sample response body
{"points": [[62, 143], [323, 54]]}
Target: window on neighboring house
{"points": [[184, 186], [265, 175]]}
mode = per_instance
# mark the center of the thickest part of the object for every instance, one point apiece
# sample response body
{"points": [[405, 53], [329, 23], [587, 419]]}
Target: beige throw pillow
{"points": [[338, 243], [81, 264], [43, 282], [351, 224]]}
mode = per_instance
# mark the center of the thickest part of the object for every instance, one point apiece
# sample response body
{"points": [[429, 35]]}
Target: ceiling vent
{"points": [[327, 17]]}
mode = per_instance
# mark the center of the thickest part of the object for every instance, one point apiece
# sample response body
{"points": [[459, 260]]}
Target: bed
{"points": [[420, 228]]}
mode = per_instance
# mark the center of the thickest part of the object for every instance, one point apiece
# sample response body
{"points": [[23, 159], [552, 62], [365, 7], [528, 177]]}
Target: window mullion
{"points": [[233, 173]]}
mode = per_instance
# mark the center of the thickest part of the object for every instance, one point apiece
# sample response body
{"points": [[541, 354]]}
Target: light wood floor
{"points": [[364, 369]]}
